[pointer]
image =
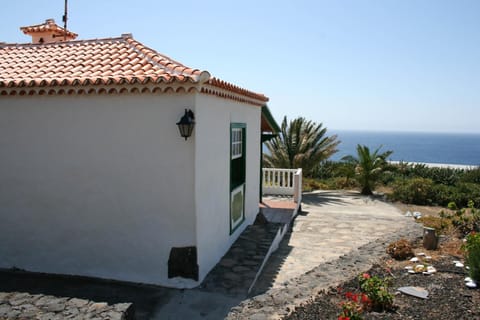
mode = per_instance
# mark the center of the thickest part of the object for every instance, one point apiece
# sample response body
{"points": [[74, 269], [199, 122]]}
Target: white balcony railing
{"points": [[282, 182]]}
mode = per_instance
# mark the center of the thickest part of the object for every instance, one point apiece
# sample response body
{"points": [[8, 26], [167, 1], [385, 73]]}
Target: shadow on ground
{"points": [[275, 263], [326, 198]]}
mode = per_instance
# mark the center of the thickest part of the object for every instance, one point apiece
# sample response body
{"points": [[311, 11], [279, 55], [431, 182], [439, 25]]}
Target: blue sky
{"points": [[410, 65]]}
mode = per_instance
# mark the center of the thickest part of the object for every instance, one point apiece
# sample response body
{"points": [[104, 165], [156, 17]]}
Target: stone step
{"points": [[237, 270]]}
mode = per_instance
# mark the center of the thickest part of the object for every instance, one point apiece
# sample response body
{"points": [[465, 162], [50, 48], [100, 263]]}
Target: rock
{"points": [[414, 291], [232, 276], [55, 306], [228, 262], [4, 296], [122, 307], [42, 301], [13, 314], [77, 302], [26, 306], [112, 315], [4, 310], [98, 307], [71, 311], [240, 269], [46, 316]]}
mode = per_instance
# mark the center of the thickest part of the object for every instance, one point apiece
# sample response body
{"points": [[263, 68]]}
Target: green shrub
{"points": [[424, 191], [440, 224], [377, 290], [445, 176], [325, 170], [442, 195], [467, 192], [309, 184], [464, 220], [414, 191], [472, 255], [344, 183], [471, 176]]}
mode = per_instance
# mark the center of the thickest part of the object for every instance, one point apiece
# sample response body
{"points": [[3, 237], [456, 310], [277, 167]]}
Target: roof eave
{"points": [[269, 125]]}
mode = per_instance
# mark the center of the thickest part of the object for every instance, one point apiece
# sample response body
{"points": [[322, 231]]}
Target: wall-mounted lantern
{"points": [[186, 124]]}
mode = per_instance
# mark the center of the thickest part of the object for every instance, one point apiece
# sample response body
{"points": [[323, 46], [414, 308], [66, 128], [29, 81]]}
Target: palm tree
{"points": [[300, 144], [368, 167]]}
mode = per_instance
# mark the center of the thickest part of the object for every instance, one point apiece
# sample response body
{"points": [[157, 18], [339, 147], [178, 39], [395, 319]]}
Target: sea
{"points": [[432, 148]]}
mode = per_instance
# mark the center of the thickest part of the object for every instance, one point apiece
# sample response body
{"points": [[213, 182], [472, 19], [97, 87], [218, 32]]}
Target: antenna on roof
{"points": [[65, 21]]}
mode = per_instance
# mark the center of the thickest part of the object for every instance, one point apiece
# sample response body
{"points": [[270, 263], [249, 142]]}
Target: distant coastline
{"points": [[439, 165], [434, 149]]}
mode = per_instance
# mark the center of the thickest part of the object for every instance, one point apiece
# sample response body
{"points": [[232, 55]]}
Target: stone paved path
{"points": [[332, 224], [338, 236]]}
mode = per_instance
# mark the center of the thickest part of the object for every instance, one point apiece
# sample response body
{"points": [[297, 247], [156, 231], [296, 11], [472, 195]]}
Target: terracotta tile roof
{"points": [[122, 61]]}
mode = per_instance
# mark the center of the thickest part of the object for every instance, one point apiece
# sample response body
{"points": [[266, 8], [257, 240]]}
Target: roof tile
{"points": [[108, 61]]}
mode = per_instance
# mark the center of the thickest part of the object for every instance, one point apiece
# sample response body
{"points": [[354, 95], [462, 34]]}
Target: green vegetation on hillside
{"points": [[408, 183]]}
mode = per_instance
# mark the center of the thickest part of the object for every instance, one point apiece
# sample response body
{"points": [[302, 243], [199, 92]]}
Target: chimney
{"points": [[48, 32]]}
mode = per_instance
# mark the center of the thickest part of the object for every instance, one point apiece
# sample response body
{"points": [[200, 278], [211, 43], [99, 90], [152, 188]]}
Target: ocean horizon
{"points": [[422, 147]]}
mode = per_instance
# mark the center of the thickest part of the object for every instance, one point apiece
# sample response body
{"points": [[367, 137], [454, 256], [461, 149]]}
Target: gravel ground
{"points": [[448, 297]]}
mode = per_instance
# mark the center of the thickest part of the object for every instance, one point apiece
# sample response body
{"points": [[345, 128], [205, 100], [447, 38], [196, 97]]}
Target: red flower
{"points": [[349, 295], [366, 276], [343, 318], [365, 299], [355, 298]]}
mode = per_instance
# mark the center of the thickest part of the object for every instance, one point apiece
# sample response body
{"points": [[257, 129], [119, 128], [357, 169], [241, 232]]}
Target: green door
{"points": [[237, 175]]}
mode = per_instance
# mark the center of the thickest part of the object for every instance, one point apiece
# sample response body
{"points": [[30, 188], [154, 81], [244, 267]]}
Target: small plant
{"points": [[354, 307], [400, 250], [472, 255], [465, 219], [440, 224], [376, 289]]}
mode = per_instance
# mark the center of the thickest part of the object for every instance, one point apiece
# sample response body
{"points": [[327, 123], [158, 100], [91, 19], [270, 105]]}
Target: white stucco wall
{"points": [[212, 174], [99, 185]]}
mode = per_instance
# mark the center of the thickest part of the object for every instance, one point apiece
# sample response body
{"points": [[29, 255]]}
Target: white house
{"points": [[95, 178]]}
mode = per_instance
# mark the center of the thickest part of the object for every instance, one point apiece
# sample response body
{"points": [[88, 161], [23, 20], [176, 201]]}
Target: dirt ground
{"points": [[448, 298], [424, 210]]}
